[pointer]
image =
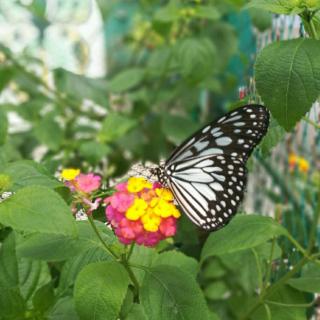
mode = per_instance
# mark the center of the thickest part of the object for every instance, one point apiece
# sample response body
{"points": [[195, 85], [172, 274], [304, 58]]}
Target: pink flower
{"points": [[92, 205], [87, 182], [114, 216], [149, 239], [168, 227], [121, 201], [122, 187]]}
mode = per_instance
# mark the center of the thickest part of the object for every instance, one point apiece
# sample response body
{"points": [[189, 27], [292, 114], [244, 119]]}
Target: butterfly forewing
{"points": [[207, 172], [235, 134]]}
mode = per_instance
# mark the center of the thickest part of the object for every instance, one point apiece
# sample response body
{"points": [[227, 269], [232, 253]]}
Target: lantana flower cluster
{"points": [[298, 162], [84, 187], [142, 212]]}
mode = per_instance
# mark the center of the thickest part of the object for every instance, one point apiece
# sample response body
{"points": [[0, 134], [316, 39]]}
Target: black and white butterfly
{"points": [[207, 172]]}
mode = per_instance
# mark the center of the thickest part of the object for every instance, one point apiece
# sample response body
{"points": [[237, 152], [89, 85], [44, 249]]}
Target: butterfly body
{"points": [[207, 172]]}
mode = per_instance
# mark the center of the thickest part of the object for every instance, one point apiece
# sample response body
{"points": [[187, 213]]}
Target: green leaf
{"points": [[26, 173], [37, 209], [126, 80], [44, 298], [177, 128], [261, 19], [195, 57], [100, 290], [57, 247], [49, 132], [115, 126], [178, 292], [277, 6], [179, 260], [63, 309], [239, 235], [168, 13], [216, 290], [142, 256], [12, 305], [309, 281], [207, 12], [3, 127], [286, 76], [284, 295], [136, 312]]}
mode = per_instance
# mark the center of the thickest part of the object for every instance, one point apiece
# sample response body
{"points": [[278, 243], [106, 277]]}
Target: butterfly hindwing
{"points": [[207, 173], [210, 190]]}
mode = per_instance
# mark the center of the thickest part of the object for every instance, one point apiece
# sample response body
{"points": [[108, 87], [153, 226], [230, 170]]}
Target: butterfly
{"points": [[207, 173]]}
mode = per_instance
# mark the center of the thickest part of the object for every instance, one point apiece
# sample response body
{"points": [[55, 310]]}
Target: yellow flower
{"points": [[164, 194], [69, 174], [137, 209], [151, 221], [303, 165], [165, 209], [136, 184]]}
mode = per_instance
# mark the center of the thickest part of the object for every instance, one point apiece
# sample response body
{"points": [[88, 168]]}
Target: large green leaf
{"points": [[177, 259], [37, 209], [100, 289], [25, 173], [309, 280], [243, 232], [57, 247], [287, 78], [168, 293]]}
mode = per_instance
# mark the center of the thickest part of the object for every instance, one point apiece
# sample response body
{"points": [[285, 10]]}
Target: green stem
{"points": [[130, 251], [95, 229], [258, 268], [269, 267], [298, 305], [314, 124], [124, 262], [314, 226]]}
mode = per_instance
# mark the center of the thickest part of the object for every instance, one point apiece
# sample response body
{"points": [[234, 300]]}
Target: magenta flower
{"points": [[87, 182]]}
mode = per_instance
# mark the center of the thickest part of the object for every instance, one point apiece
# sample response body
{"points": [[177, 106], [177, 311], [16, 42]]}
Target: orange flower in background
{"points": [[142, 212], [298, 162]]}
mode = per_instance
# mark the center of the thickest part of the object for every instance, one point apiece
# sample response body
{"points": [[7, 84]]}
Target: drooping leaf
{"points": [[102, 286], [243, 232], [37, 209], [286, 77]]}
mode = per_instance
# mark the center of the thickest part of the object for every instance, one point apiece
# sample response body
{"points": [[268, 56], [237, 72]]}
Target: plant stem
{"points": [[314, 226], [95, 229], [124, 262], [269, 267], [314, 124]]}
